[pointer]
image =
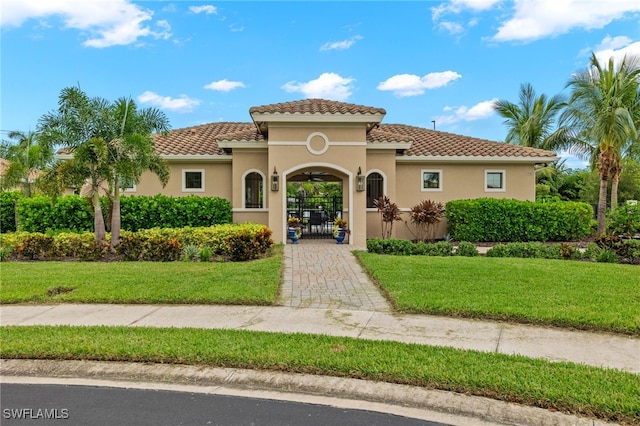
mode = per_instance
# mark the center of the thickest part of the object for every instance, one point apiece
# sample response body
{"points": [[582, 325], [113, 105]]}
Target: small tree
{"points": [[425, 216], [27, 157], [389, 213]]}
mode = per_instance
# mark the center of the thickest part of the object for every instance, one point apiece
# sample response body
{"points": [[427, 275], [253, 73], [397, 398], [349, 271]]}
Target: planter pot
{"points": [[292, 236], [340, 237]]}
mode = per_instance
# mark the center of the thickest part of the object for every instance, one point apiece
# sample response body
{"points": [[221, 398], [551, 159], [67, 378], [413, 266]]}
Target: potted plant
{"points": [[340, 229], [295, 229]]}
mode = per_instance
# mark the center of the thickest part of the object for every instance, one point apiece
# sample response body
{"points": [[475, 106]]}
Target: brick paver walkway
{"points": [[325, 275]]}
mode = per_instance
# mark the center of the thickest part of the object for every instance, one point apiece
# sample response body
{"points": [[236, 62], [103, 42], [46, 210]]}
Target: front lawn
{"points": [[607, 394], [591, 296], [250, 283]]}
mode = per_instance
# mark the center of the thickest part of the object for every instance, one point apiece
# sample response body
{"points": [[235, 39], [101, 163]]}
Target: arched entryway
{"points": [[316, 193], [316, 198]]}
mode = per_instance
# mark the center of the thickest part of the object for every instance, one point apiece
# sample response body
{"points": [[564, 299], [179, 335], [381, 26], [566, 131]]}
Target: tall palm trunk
{"points": [[115, 217], [98, 219], [602, 204], [615, 182]]}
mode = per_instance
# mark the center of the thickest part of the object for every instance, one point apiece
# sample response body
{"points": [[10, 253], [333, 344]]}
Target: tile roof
{"points": [[202, 140], [435, 143], [316, 106]]}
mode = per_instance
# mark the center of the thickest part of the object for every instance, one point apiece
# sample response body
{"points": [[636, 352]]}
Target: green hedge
{"points": [[233, 242], [490, 219], [407, 248], [74, 213], [139, 212], [625, 220], [41, 214], [8, 201]]}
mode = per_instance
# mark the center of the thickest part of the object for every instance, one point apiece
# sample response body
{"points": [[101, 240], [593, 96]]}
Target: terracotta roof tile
{"points": [[199, 140], [315, 106], [434, 143]]}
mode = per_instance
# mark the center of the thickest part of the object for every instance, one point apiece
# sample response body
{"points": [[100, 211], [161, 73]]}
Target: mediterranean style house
{"points": [[250, 164]]}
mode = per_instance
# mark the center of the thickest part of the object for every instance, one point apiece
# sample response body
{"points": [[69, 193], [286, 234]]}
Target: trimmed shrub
{"points": [[35, 246], [41, 214], [408, 248], [526, 250], [142, 212], [244, 245], [625, 221], [160, 245], [8, 201], [441, 248], [466, 249], [237, 242], [79, 245], [75, 213], [34, 214], [506, 220]]}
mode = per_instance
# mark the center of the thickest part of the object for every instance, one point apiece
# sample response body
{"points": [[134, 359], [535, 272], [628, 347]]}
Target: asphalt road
{"points": [[93, 406]]}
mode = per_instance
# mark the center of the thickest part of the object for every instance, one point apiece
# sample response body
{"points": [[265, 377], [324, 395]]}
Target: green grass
{"points": [[590, 296], [578, 389], [251, 283]]}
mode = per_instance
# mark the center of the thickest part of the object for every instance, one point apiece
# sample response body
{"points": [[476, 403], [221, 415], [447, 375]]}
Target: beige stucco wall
{"points": [[245, 161], [217, 181], [459, 181], [339, 149], [336, 148]]}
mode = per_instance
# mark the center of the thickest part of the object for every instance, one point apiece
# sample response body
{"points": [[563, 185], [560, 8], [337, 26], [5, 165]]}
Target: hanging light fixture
{"points": [[275, 181], [360, 183]]}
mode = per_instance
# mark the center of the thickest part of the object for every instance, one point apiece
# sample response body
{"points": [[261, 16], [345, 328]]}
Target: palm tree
{"points": [[110, 144], [603, 109], [81, 126], [26, 159], [532, 122], [133, 151]]}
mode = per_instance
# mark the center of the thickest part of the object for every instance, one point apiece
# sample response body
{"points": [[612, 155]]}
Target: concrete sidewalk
{"points": [[596, 349]]}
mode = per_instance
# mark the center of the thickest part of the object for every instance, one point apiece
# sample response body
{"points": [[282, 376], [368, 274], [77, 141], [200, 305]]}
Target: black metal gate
{"points": [[316, 214]]}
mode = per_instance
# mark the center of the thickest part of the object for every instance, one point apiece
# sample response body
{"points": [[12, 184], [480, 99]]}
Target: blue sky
{"points": [[200, 62]]}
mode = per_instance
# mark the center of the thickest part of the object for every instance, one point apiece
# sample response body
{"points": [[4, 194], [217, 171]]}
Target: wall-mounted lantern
{"points": [[275, 181], [360, 183]]}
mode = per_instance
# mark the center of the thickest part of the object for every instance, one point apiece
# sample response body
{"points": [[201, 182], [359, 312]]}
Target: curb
{"points": [[404, 400]]}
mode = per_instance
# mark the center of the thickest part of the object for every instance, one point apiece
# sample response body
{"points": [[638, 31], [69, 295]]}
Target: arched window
{"points": [[375, 188], [253, 192]]}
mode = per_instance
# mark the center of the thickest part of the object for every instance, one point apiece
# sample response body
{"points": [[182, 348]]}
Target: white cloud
{"points": [[108, 22], [340, 45], [413, 85], [451, 27], [328, 86], [616, 48], [224, 85], [457, 6], [208, 9], [181, 104], [463, 113], [535, 19]]}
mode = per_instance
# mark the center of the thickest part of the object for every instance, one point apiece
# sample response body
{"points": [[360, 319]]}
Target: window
{"points": [[431, 180], [375, 188], [253, 191], [192, 180], [494, 181], [127, 185]]}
